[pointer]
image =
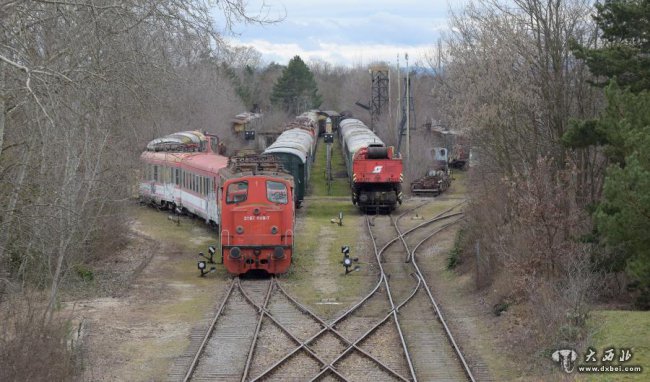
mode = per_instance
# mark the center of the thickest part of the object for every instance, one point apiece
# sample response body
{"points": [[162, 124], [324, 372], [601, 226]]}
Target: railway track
{"points": [[437, 355], [395, 332], [382, 351]]}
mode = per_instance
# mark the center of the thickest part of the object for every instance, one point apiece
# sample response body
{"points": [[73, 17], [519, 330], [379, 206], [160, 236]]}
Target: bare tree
{"points": [[83, 83], [506, 75]]}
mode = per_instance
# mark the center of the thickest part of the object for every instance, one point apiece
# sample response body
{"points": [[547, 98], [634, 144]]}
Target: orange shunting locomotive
{"points": [[257, 216]]}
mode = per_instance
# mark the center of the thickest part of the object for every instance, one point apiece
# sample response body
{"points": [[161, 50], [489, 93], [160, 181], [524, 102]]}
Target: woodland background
{"points": [[553, 95]]}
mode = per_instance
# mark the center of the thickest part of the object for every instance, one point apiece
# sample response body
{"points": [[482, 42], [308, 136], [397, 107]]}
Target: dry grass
{"points": [[34, 349]]}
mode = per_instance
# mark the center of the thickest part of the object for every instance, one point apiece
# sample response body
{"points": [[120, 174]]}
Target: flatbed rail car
{"points": [[257, 215], [434, 183]]}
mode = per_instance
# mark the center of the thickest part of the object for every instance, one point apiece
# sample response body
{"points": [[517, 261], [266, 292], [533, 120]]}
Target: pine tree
{"points": [[296, 90], [623, 131], [625, 31]]}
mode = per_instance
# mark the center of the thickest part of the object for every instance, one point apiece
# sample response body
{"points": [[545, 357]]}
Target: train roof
{"points": [[202, 161], [287, 150], [311, 115], [246, 117], [357, 135], [331, 113], [259, 174], [360, 141], [181, 141], [298, 139]]}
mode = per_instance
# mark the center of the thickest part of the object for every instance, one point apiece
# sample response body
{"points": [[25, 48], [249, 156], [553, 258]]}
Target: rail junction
{"points": [[397, 331]]}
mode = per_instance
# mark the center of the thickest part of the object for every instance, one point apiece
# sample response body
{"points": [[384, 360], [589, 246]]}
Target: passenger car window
{"points": [[276, 192], [237, 192]]}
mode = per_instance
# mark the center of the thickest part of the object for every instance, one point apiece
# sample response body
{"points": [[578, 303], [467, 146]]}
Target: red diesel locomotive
{"points": [[257, 216], [376, 173]]}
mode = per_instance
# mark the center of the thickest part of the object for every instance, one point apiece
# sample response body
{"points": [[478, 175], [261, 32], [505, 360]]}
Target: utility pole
{"points": [[399, 101], [408, 109]]}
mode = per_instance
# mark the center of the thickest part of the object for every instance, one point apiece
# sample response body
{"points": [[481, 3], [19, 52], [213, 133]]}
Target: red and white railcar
{"points": [[182, 171]]}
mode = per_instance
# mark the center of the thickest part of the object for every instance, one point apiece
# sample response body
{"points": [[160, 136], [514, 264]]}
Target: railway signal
{"points": [[347, 261], [211, 251], [203, 265]]}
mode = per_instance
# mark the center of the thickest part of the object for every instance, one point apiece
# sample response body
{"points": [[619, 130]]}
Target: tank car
{"points": [[181, 170], [375, 171], [257, 216]]}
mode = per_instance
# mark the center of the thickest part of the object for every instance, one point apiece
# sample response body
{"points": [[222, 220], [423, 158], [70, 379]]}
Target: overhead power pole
{"points": [[408, 108]]}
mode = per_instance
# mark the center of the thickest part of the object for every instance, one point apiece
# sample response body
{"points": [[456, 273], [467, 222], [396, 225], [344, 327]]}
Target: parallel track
{"points": [[434, 360]]}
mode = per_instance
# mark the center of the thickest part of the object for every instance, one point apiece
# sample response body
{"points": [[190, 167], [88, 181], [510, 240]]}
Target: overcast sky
{"points": [[345, 32]]}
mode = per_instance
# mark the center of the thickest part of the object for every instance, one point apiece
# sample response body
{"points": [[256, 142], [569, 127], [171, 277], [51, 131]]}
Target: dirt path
{"points": [[135, 332]]}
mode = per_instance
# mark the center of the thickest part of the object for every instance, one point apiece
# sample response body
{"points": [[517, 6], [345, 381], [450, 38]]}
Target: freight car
{"points": [[375, 171], [295, 148], [257, 215], [334, 119], [434, 183], [181, 171]]}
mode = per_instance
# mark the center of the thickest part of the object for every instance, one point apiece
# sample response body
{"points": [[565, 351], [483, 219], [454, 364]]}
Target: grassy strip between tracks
{"points": [[317, 277], [318, 181]]}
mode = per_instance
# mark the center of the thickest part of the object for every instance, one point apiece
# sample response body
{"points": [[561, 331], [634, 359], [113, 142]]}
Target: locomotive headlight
{"points": [[274, 230], [278, 253], [239, 229], [235, 253]]}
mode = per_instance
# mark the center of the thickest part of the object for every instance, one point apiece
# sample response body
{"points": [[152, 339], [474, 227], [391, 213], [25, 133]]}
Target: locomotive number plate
{"points": [[251, 218]]}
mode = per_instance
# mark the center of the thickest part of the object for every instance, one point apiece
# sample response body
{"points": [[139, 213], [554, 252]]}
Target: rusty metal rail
{"points": [[208, 333], [350, 345], [465, 366]]}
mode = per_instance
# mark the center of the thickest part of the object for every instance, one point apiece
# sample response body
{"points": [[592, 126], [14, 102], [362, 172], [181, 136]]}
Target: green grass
{"points": [[191, 236], [622, 329], [318, 181], [458, 183], [317, 274]]}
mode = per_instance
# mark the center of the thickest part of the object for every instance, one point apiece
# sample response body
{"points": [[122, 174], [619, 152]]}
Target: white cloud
{"points": [[346, 32], [340, 54]]}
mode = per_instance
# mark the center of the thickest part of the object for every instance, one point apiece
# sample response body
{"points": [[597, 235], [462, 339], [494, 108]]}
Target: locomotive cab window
{"points": [[276, 192], [237, 192]]}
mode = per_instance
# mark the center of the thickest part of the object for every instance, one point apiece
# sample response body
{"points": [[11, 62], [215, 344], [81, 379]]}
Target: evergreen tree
{"points": [[625, 28], [623, 131], [623, 216], [296, 90]]}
